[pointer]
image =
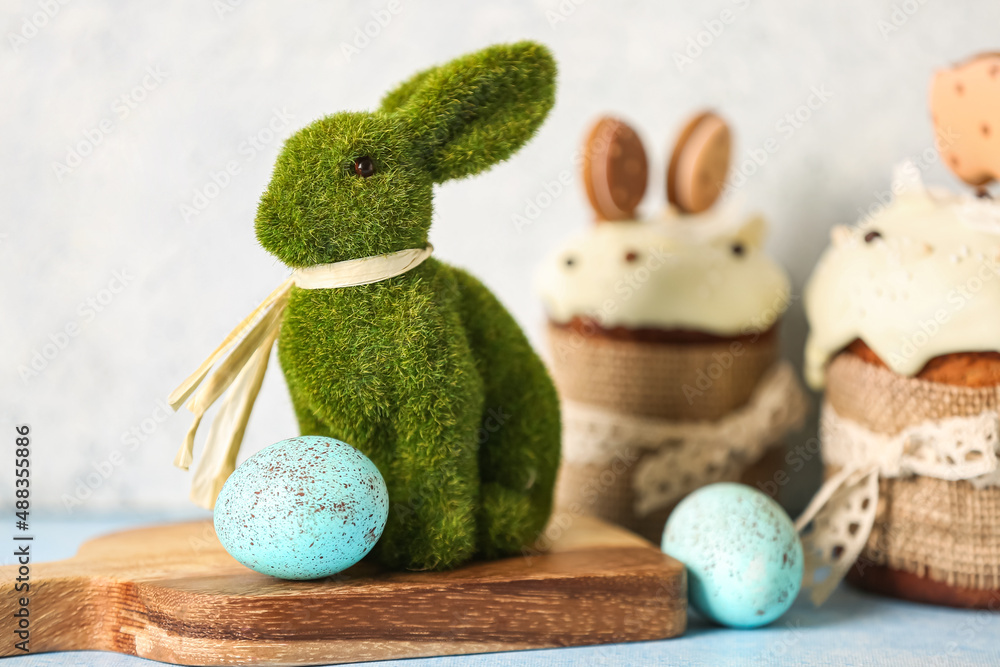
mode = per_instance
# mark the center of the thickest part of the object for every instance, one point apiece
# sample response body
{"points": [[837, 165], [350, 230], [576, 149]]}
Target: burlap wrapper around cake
{"points": [[646, 378], [945, 531]]}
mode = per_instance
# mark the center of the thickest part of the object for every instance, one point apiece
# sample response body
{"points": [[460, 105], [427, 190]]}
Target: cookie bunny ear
{"points": [[965, 106], [614, 169], [699, 164], [476, 110]]}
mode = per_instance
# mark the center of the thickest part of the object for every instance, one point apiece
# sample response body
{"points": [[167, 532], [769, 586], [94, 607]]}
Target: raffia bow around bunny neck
{"points": [[242, 371]]}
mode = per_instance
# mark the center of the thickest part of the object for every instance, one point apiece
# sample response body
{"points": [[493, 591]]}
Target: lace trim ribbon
{"points": [[836, 524], [686, 455]]}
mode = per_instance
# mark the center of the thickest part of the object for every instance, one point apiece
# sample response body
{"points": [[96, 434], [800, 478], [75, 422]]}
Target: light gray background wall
{"points": [[227, 70]]}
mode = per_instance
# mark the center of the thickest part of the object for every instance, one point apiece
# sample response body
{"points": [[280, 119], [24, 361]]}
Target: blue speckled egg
{"points": [[302, 508], [743, 556]]}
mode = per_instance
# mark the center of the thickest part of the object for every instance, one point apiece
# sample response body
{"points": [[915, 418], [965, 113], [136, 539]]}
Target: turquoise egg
{"points": [[743, 556], [303, 508]]}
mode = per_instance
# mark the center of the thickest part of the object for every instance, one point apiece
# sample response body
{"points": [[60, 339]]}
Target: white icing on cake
{"points": [[684, 275], [929, 285]]}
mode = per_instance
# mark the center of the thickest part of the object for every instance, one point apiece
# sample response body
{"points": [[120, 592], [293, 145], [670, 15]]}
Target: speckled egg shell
{"points": [[743, 556], [303, 508]]}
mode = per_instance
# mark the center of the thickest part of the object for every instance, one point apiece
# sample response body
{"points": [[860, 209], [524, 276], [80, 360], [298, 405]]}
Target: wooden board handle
{"points": [[172, 593]]}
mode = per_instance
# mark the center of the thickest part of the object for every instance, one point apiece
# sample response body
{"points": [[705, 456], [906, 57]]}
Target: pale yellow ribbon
{"points": [[242, 371]]}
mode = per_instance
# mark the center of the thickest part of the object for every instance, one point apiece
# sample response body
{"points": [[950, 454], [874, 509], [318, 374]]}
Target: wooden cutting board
{"points": [[172, 593]]}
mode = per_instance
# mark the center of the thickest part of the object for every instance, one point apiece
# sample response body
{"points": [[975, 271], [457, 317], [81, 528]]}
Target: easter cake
{"points": [[904, 312], [663, 334]]}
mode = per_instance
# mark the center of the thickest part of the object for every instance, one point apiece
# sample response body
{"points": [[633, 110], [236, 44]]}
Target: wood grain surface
{"points": [[172, 593]]}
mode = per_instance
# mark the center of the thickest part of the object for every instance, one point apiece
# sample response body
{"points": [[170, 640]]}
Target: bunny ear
{"points": [[965, 105], [401, 94], [614, 169], [699, 164], [468, 114], [752, 232]]}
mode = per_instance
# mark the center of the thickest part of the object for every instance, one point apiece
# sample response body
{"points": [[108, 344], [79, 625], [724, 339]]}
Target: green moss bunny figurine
{"points": [[425, 372]]}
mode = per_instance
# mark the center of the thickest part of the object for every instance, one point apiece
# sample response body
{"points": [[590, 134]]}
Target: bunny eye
{"points": [[737, 249], [364, 167]]}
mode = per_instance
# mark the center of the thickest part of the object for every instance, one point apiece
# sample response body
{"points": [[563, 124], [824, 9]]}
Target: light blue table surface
{"points": [[852, 628]]}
